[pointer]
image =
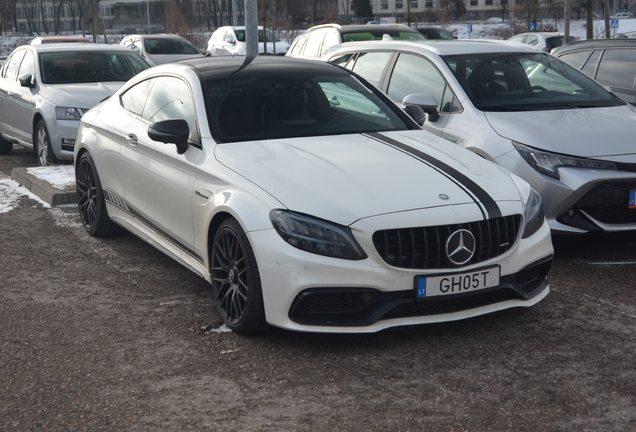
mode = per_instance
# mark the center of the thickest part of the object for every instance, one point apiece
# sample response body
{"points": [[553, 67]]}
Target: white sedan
{"points": [[45, 89], [307, 198]]}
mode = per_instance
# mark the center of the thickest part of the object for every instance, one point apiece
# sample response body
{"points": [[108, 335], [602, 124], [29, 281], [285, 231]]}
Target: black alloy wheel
{"points": [[235, 279], [90, 199]]}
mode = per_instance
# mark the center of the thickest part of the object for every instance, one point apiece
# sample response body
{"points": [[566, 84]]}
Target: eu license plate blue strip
{"points": [[632, 200]]}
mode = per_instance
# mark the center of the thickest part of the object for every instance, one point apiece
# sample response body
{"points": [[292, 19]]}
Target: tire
{"points": [[90, 199], [42, 145], [5, 146], [236, 283]]}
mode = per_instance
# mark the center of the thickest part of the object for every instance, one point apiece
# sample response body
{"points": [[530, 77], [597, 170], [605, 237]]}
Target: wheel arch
{"points": [[215, 223], [36, 119]]}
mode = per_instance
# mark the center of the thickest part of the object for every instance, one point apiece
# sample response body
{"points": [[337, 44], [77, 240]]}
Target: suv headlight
{"points": [[316, 235], [534, 215], [67, 113], [549, 163]]}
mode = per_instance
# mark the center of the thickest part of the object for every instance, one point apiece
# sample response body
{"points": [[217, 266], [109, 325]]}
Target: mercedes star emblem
{"points": [[460, 246]]}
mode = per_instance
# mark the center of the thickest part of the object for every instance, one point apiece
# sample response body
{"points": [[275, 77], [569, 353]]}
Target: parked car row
{"points": [[390, 181]]}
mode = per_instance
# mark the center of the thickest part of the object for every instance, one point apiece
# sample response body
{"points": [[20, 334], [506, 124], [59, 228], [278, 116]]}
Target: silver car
{"points": [[524, 109], [45, 89], [161, 48]]}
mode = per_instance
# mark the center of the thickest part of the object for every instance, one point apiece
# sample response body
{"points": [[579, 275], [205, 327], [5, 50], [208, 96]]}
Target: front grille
{"points": [[607, 202], [364, 306], [425, 247]]}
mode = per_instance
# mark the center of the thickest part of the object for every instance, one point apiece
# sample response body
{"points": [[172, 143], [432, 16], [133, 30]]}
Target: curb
{"points": [[43, 189]]}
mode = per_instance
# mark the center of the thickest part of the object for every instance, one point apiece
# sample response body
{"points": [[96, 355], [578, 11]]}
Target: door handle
{"points": [[132, 139]]}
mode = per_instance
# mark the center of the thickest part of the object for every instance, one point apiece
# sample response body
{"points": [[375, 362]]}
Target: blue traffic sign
{"points": [[613, 23]]}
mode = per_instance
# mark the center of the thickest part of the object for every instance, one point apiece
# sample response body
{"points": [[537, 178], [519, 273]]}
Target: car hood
{"points": [[349, 177], [84, 95], [158, 59], [589, 132]]}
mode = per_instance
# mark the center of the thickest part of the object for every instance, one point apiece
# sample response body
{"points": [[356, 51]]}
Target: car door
{"points": [[412, 73], [158, 182], [9, 86], [25, 99]]}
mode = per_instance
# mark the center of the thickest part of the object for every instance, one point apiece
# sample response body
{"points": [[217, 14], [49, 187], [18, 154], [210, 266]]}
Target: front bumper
{"points": [[582, 200], [62, 135], [295, 283]]}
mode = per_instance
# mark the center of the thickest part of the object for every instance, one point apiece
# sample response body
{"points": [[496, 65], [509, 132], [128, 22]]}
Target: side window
{"points": [[532, 40], [295, 50], [341, 59], [11, 71], [135, 98], [331, 39], [312, 46], [171, 98], [135, 44], [415, 74], [219, 35], [576, 58], [28, 65], [517, 38], [617, 68], [590, 64], [371, 65]]}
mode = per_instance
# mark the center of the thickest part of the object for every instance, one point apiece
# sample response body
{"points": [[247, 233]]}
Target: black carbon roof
{"points": [[222, 66]]}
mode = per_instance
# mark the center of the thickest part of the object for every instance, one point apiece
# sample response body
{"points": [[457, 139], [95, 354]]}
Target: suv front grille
{"points": [[425, 247]]}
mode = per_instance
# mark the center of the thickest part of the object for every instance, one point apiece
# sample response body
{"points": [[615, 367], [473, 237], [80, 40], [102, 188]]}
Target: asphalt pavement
{"points": [[110, 334]]}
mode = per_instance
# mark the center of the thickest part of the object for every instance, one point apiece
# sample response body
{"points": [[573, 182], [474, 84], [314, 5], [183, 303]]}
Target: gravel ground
{"points": [[113, 335]]}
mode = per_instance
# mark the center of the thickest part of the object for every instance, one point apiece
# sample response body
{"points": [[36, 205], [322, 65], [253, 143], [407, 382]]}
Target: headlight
{"points": [[66, 113], [316, 236], [548, 163], [534, 215]]}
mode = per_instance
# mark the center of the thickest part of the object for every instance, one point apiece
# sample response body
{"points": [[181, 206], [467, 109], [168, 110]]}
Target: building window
{"points": [[428, 3], [474, 2], [488, 2], [414, 4], [399, 4], [384, 4]]}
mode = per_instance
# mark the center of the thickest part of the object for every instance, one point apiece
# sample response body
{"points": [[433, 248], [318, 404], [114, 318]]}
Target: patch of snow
{"points": [[10, 194], [61, 177], [223, 329]]}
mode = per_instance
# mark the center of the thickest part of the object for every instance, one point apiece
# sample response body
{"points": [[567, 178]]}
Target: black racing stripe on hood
{"points": [[476, 192]]}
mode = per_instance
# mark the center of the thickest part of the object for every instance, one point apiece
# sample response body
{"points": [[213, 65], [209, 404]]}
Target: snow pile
{"points": [[61, 177], [10, 194]]}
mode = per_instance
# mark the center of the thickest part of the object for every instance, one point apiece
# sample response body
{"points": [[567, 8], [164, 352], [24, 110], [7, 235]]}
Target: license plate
{"points": [[456, 283], [632, 200]]}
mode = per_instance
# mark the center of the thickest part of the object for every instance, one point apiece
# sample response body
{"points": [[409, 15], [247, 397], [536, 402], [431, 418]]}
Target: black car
{"points": [[612, 62], [317, 40]]}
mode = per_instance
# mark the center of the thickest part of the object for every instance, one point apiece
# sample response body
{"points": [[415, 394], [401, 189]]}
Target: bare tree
{"points": [[58, 7]]}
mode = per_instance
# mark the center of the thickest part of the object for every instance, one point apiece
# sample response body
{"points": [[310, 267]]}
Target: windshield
{"points": [[526, 82], [378, 33], [169, 46], [70, 67], [296, 106]]}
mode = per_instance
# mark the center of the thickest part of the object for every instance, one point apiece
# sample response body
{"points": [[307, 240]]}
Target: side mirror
{"points": [[171, 132], [416, 113], [26, 80], [425, 101]]}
